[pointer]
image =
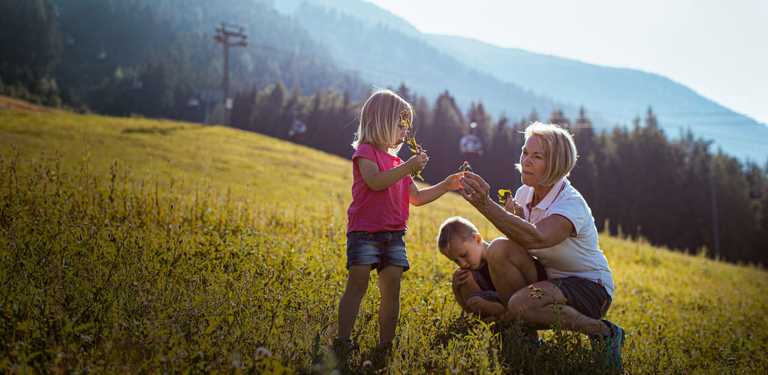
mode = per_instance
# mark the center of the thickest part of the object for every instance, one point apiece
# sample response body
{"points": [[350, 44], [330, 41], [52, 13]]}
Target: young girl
{"points": [[381, 191]]}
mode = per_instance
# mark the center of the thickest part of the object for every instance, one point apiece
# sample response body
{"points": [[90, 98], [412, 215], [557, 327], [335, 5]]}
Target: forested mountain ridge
{"points": [[615, 96], [385, 57], [154, 57]]}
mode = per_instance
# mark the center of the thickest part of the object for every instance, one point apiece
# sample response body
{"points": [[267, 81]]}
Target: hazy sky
{"points": [[718, 48]]}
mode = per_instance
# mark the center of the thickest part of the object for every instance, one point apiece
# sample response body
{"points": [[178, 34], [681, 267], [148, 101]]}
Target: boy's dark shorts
{"points": [[379, 249]]}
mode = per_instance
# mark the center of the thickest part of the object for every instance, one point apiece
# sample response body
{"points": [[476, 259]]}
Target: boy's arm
{"points": [[378, 180], [457, 294], [420, 197]]}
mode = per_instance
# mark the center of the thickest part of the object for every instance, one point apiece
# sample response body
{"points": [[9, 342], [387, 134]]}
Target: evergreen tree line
{"points": [[155, 58], [640, 184]]}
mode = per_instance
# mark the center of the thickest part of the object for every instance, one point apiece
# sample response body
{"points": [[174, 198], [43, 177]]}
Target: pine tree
{"points": [[501, 158], [448, 124], [30, 46], [558, 117], [585, 174]]}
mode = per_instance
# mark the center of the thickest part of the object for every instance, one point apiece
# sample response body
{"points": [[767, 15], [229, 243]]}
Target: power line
{"points": [[229, 35]]}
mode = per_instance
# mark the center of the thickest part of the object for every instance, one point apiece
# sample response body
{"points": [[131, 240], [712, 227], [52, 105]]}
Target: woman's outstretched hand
{"points": [[474, 189]]}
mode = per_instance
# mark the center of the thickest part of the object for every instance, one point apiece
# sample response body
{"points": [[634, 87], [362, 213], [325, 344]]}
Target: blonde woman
{"points": [[550, 269]]}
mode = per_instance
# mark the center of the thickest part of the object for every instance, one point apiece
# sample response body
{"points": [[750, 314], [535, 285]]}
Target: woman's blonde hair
{"points": [[380, 118], [559, 151]]}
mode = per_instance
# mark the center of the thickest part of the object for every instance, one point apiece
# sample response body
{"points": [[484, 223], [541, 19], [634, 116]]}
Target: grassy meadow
{"points": [[133, 245]]}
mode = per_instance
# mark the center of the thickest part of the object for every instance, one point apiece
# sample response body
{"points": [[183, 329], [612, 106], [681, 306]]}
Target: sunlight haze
{"points": [[718, 49]]}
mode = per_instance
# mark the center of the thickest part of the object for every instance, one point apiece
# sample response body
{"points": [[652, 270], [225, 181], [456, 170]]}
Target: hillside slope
{"points": [[133, 245]]}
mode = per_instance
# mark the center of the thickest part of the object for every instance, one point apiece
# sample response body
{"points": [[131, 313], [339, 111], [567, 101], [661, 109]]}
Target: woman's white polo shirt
{"points": [[578, 255]]}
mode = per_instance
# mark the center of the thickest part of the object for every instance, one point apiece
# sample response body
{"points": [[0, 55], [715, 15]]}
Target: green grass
{"points": [[132, 245]]}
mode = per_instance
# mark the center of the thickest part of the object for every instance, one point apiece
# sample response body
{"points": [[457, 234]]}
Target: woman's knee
{"points": [[536, 295], [522, 303]]}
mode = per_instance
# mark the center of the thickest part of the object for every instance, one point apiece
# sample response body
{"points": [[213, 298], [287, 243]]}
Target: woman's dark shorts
{"points": [[586, 296], [379, 250]]}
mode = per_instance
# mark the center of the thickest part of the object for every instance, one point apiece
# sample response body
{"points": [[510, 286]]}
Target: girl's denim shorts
{"points": [[379, 250]]}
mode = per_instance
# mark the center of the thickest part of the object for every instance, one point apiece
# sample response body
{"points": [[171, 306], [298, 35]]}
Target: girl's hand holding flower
{"points": [[418, 161]]}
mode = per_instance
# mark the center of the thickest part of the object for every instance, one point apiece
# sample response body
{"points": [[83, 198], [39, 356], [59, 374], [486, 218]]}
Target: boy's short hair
{"points": [[455, 227]]}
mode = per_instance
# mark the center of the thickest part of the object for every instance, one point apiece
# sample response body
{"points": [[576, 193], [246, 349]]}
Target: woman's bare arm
{"points": [[548, 232]]}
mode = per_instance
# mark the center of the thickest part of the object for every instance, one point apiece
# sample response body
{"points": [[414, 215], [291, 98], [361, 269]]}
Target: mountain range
{"points": [[386, 50]]}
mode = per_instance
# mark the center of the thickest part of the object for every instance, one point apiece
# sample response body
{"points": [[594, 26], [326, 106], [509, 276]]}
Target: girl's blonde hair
{"points": [[559, 151], [380, 118]]}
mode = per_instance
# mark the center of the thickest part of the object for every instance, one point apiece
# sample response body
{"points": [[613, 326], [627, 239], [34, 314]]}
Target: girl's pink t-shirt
{"points": [[377, 211]]}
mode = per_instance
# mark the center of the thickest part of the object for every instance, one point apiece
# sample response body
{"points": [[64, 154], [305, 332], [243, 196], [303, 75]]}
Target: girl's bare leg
{"points": [[349, 306], [389, 310]]}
